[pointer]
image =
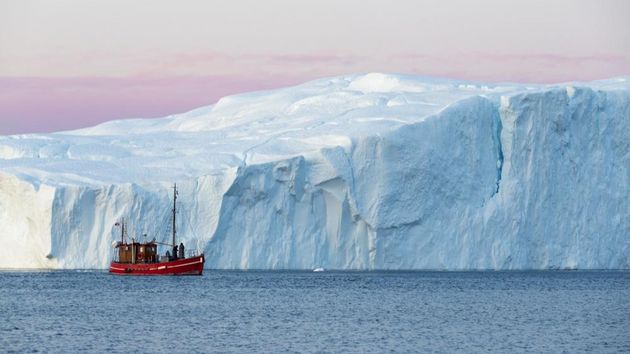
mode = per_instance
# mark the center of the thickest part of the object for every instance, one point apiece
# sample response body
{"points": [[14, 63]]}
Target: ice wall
{"points": [[362, 172], [25, 224]]}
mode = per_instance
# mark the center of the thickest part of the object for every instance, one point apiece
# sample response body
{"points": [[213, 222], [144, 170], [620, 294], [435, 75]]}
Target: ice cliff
{"points": [[368, 171]]}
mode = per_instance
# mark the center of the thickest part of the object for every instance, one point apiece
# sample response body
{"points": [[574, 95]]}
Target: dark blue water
{"points": [[360, 312]]}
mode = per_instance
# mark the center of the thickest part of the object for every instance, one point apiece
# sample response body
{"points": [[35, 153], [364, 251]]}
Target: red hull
{"points": [[186, 266]]}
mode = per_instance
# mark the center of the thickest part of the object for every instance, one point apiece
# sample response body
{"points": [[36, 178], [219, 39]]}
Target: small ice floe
{"points": [[318, 269]]}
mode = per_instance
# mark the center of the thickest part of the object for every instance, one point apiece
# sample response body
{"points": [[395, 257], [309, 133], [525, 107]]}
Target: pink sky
{"points": [[69, 64]]}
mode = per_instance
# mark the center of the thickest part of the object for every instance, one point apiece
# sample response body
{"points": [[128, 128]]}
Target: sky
{"points": [[69, 64]]}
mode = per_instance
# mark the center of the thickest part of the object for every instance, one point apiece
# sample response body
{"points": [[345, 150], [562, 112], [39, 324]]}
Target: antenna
{"points": [[122, 229], [174, 210]]}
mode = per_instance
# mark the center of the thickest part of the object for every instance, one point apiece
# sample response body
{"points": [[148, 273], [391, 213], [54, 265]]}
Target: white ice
{"points": [[370, 171]]}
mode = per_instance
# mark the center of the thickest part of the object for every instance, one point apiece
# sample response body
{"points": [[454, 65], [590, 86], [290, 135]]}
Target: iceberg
{"points": [[370, 171]]}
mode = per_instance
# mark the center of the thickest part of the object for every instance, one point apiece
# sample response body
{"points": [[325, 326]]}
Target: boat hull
{"points": [[186, 266]]}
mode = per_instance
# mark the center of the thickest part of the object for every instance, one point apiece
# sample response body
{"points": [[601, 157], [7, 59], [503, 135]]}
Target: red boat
{"points": [[137, 258], [185, 266]]}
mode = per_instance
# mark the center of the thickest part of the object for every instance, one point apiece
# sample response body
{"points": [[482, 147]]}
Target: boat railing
{"points": [[192, 253], [158, 259]]}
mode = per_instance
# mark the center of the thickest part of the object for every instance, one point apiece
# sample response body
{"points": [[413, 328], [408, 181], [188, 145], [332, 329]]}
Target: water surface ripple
{"points": [[341, 312]]}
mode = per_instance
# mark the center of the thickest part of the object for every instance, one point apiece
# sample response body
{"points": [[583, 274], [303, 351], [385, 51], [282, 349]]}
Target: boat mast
{"points": [[122, 231], [174, 210]]}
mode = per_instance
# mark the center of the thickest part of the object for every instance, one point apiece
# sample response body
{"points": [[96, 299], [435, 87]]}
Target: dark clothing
{"points": [[181, 251], [175, 251]]}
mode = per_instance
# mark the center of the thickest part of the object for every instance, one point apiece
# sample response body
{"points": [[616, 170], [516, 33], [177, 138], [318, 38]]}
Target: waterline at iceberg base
{"points": [[370, 171]]}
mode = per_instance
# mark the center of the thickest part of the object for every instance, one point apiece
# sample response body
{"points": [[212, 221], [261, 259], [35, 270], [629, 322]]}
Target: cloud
{"points": [[301, 59], [536, 67], [261, 65]]}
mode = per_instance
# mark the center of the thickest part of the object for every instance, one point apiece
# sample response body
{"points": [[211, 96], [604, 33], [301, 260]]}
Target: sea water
{"points": [[292, 311]]}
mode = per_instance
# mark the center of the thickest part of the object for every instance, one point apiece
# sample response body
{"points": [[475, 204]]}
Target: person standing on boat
{"points": [[182, 255], [175, 252]]}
